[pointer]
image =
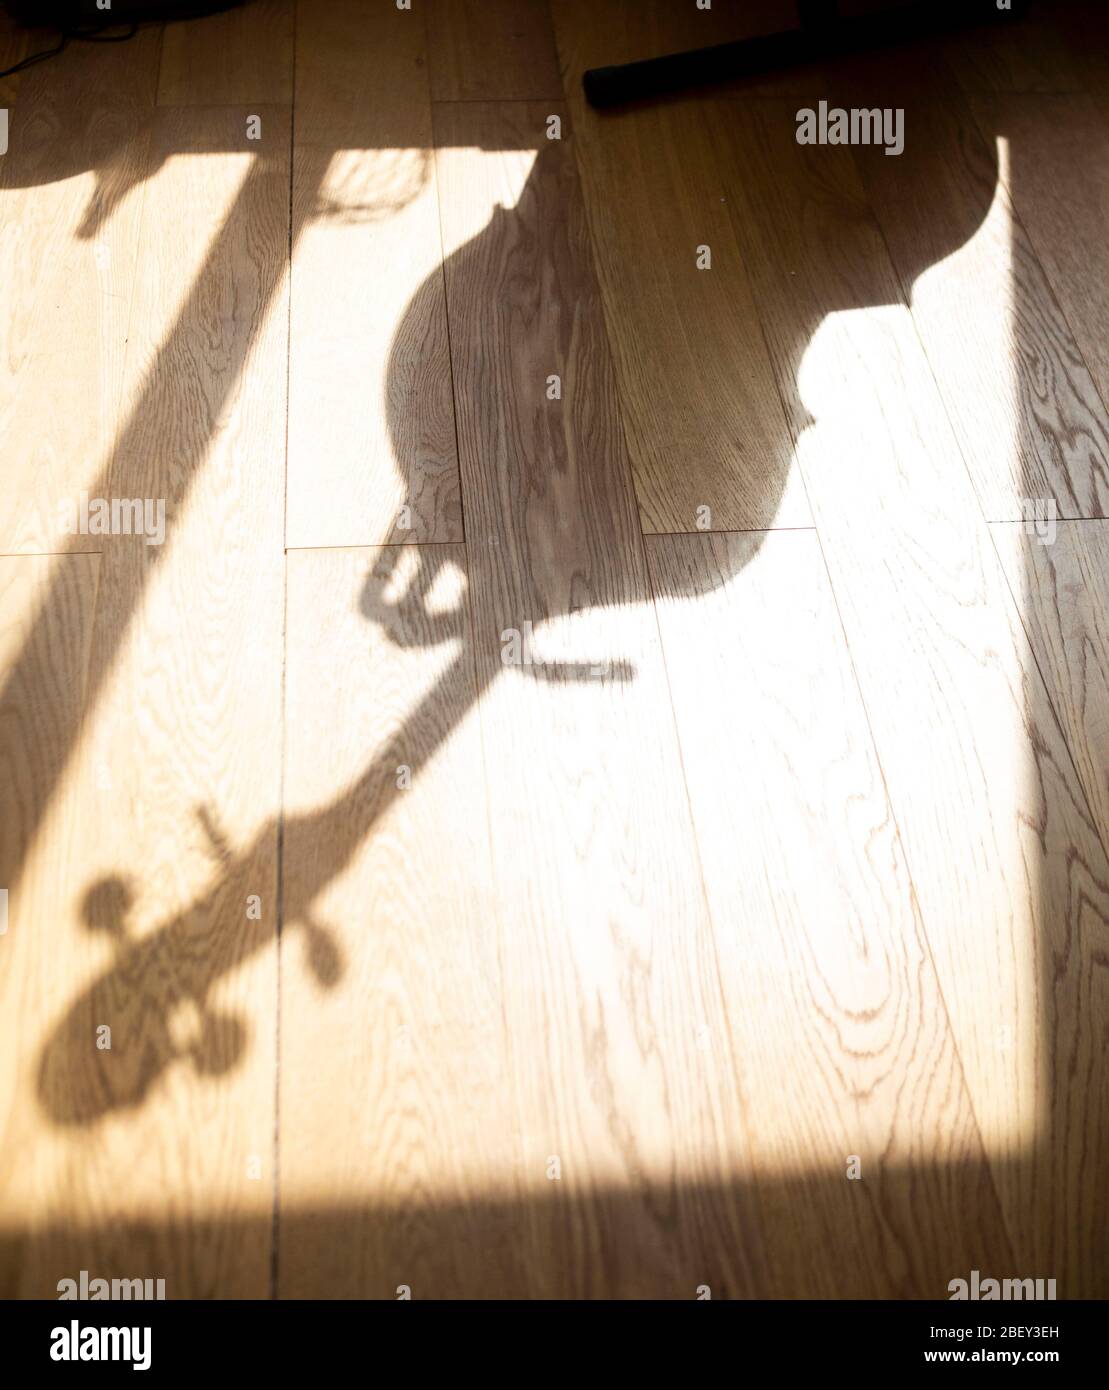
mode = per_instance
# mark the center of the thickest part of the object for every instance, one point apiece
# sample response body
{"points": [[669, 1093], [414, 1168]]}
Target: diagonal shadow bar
{"points": [[28, 673]]}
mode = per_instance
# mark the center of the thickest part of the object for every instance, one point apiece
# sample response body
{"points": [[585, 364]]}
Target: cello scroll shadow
{"points": [[157, 993]]}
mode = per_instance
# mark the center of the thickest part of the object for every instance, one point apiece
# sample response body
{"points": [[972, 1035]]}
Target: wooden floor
{"points": [[602, 789]]}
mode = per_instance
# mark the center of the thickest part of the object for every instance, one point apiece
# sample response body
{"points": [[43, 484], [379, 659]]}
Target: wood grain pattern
{"points": [[390, 956], [240, 56], [70, 203], [1025, 54], [756, 852], [371, 421], [13, 49], [180, 781], [1057, 181], [837, 1022], [1012, 880], [607, 959], [45, 948], [492, 50], [1063, 591], [1025, 411], [702, 413], [182, 392]]}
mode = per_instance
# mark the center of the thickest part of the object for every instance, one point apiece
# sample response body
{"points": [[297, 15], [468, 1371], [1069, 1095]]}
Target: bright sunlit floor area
{"points": [[554, 665]]}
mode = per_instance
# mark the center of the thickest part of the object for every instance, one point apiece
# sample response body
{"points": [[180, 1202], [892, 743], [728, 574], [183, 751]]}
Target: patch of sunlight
{"points": [[498, 189], [937, 644], [966, 307], [356, 419]]}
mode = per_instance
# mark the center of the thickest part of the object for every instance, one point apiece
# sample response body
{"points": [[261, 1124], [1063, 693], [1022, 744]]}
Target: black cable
{"points": [[82, 36], [40, 57]]}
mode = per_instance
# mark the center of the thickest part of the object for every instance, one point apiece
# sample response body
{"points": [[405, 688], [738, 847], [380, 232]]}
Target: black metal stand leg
{"points": [[823, 35]]}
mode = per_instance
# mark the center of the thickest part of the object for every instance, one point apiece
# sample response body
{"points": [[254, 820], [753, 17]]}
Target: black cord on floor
{"points": [[80, 35]]}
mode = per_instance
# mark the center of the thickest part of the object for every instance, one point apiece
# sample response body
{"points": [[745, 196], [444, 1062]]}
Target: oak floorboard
{"points": [[1062, 588], [177, 757], [667, 925], [609, 967], [1057, 180], [1024, 408], [14, 40], [71, 188], [1024, 53], [1012, 880], [372, 454], [390, 952], [837, 1020], [492, 50], [708, 442], [43, 946], [233, 58]]}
